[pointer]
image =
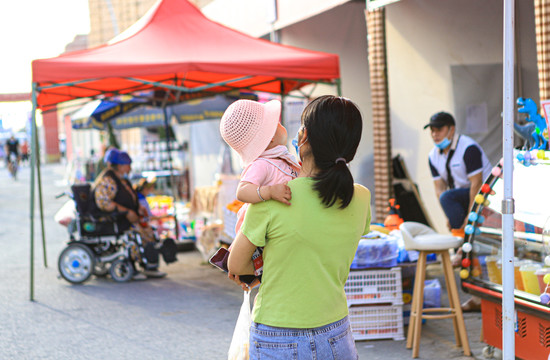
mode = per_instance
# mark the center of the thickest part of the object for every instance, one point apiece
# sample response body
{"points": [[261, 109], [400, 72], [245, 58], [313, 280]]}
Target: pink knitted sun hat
{"points": [[248, 127]]}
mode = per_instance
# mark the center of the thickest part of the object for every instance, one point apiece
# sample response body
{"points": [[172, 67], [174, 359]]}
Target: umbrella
{"points": [[97, 112], [135, 113]]}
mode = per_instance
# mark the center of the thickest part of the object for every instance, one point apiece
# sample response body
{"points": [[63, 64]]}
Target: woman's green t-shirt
{"points": [[308, 252]]}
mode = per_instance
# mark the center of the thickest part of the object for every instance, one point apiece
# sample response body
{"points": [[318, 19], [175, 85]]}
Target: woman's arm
{"points": [[240, 257]]}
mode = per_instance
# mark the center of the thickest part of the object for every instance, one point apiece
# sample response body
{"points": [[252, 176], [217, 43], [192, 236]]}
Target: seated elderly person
{"points": [[112, 191]]}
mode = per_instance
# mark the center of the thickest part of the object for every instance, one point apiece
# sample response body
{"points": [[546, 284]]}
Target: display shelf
{"points": [[481, 266], [157, 157]]}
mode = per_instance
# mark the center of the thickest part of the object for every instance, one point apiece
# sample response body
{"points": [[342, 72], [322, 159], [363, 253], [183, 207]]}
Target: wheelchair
{"points": [[100, 244]]}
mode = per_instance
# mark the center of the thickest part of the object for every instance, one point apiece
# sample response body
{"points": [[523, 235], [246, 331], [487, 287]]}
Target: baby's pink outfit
{"points": [[273, 166]]}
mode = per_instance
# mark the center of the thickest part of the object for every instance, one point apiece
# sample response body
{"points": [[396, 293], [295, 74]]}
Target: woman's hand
{"points": [[142, 210], [244, 286], [132, 216]]}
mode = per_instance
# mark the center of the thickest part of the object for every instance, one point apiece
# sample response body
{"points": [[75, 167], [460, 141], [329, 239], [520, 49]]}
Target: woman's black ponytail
{"points": [[334, 127]]}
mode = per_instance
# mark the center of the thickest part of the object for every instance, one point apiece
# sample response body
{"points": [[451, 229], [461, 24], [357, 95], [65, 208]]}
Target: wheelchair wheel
{"points": [[121, 270], [76, 263]]}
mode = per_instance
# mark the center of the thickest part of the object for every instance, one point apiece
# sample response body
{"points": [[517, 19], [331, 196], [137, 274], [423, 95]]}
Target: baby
{"points": [[253, 130]]}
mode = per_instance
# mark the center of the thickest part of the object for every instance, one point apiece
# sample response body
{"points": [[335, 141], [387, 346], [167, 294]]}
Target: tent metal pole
{"points": [[339, 87], [40, 203], [169, 150], [186, 89], [68, 83], [33, 163], [508, 340]]}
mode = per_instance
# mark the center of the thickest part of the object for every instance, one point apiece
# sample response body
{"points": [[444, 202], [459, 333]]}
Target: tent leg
{"points": [[33, 162], [172, 183], [169, 149], [339, 87], [39, 182]]}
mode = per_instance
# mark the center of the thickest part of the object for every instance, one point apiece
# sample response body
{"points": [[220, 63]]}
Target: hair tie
{"points": [[340, 159]]}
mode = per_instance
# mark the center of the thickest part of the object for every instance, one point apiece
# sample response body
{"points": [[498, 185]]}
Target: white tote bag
{"points": [[238, 350]]}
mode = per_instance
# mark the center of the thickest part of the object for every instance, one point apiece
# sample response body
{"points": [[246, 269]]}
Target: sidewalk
{"points": [[188, 315]]}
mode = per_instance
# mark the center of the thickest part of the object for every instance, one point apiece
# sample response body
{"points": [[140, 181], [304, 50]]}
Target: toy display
{"points": [[481, 267], [534, 130]]}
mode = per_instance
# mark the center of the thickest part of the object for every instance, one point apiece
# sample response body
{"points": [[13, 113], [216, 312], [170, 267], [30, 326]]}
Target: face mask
{"points": [[126, 176], [295, 144], [443, 144]]}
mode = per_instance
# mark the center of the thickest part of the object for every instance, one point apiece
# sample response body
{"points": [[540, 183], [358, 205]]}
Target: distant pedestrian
{"points": [[24, 152], [62, 148], [3, 154], [13, 154]]}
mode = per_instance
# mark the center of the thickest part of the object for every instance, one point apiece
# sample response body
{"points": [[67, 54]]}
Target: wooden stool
{"points": [[424, 239]]}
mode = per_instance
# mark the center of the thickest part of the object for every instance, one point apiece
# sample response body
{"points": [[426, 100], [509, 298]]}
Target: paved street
{"points": [[188, 315]]}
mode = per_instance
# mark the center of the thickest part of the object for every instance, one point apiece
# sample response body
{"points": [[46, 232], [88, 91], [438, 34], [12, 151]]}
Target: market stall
{"points": [[482, 265], [179, 54]]}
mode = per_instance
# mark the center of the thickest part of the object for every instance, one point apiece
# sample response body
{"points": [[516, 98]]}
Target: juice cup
{"points": [[492, 269], [530, 281], [517, 275], [540, 276], [479, 267]]}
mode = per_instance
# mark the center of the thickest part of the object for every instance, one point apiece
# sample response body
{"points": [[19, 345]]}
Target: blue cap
{"points": [[118, 157]]}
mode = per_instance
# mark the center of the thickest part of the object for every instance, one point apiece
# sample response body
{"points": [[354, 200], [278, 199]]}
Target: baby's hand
{"points": [[281, 193]]}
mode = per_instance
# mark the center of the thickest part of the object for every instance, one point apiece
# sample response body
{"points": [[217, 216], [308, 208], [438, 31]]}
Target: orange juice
{"points": [[517, 275], [530, 281], [492, 269]]}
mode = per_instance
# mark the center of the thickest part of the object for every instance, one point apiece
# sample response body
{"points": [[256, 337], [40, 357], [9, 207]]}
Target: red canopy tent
{"points": [[174, 46], [180, 54]]}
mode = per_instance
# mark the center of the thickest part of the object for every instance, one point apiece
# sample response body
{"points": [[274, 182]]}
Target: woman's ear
{"points": [[304, 136]]}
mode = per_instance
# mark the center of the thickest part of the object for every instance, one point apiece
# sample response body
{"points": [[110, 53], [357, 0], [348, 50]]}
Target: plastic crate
{"points": [[229, 222], [377, 322], [374, 286]]}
